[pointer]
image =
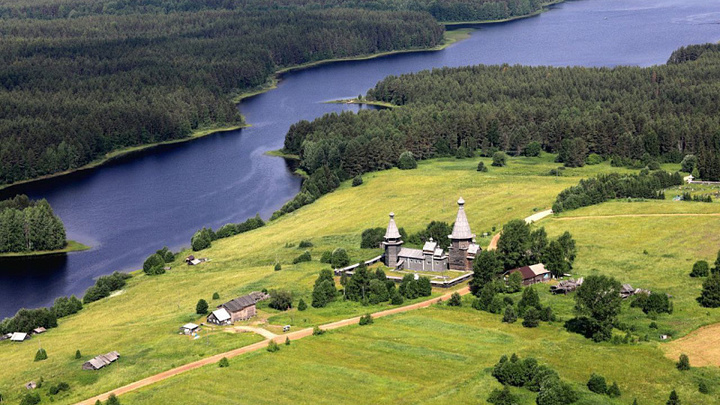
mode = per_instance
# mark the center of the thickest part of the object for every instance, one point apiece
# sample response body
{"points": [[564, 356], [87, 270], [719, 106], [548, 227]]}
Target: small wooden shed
{"points": [[101, 361]]}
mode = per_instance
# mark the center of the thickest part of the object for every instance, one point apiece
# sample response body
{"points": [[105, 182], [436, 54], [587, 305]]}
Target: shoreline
{"points": [[545, 7], [452, 36], [72, 246], [357, 101], [110, 156]]}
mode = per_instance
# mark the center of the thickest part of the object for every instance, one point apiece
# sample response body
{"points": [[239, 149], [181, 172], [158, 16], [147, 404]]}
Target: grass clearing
{"points": [[438, 355], [142, 322]]}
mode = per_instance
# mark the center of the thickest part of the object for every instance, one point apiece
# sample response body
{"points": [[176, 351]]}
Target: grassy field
{"points": [[439, 355], [141, 323], [71, 246]]}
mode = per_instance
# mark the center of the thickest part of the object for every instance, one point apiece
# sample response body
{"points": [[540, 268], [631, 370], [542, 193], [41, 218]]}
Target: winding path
{"points": [[261, 345], [292, 335]]}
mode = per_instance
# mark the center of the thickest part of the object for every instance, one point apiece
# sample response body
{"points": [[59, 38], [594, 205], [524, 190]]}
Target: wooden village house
{"points": [[537, 273], [101, 361], [239, 309]]}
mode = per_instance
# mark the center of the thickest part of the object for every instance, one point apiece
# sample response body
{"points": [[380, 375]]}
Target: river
{"points": [[133, 206]]}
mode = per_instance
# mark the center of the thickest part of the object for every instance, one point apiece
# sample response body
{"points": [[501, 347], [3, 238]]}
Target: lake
{"points": [[135, 205]]}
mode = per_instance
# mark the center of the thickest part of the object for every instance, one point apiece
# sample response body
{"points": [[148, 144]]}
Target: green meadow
{"points": [[437, 355]]}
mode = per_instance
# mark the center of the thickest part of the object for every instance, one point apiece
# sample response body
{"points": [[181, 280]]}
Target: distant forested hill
{"points": [[81, 78]]}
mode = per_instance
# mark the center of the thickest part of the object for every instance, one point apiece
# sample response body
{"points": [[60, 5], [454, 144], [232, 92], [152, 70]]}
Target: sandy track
{"points": [[529, 220], [261, 345], [702, 346]]}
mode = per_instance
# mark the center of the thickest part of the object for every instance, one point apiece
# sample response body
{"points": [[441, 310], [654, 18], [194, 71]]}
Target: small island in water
{"points": [[31, 228]]}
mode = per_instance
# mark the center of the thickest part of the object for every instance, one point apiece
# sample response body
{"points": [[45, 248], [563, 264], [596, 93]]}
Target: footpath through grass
{"points": [[439, 355]]}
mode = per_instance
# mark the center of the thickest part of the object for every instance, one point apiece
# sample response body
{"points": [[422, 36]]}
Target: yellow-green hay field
{"points": [[141, 322]]}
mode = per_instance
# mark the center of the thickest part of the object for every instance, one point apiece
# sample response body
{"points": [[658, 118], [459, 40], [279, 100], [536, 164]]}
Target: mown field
{"points": [[141, 323], [439, 355]]}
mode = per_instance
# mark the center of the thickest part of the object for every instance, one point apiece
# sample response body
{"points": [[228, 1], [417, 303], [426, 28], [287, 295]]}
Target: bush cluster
{"points": [[538, 378], [104, 286], [203, 238]]}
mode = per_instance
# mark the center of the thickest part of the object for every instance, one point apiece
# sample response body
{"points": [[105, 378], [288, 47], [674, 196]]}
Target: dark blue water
{"points": [[133, 206]]}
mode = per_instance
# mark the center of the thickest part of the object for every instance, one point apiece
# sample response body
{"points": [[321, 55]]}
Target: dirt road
{"points": [[532, 218], [261, 345]]}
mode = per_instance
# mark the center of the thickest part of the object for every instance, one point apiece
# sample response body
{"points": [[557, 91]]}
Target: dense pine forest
{"points": [[82, 78], [635, 116], [27, 226]]}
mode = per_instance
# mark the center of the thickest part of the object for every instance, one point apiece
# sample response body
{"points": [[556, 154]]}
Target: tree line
{"points": [[28, 226], [629, 114], [604, 187], [85, 85]]}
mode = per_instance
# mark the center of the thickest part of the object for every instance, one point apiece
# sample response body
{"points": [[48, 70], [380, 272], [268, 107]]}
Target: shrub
{"points": [[64, 306], [305, 244], [31, 398], [701, 268], [317, 331], [481, 167], [366, 319], [531, 318], [287, 341], [683, 363], [396, 299], [503, 397], [710, 296], [200, 241], [273, 347], [104, 286], [455, 300], [305, 257], [688, 163], [597, 384], [514, 283], [674, 399], [201, 307], [407, 161], [224, 362], [532, 149], [510, 316], [499, 159], [166, 254], [593, 159], [216, 296], [78, 355], [371, 238], [278, 266], [339, 258], [703, 388], [613, 391], [280, 300], [357, 181], [41, 355], [302, 305]]}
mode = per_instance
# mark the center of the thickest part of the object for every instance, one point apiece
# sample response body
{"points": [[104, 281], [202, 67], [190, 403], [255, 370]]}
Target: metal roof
{"points": [[190, 326], [392, 229], [221, 314], [430, 246], [411, 253], [18, 337], [461, 229]]}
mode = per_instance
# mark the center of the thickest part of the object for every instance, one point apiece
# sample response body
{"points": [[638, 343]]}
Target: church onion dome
{"points": [[461, 229], [392, 229]]}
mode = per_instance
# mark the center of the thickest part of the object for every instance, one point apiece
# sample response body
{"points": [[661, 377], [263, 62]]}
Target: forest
{"points": [[85, 78], [631, 115], [27, 226]]}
